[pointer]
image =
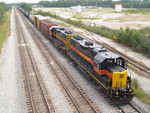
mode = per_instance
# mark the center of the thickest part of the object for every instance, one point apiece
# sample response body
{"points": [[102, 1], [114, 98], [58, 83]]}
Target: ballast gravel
{"points": [[59, 101], [12, 99]]}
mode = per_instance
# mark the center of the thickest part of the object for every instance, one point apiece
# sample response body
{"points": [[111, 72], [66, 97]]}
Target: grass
{"points": [[63, 24], [79, 16], [103, 10], [137, 11], [4, 27], [123, 20], [140, 93]]}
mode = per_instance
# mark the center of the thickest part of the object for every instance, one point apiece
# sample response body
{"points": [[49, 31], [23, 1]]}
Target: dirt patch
{"points": [[135, 18]]}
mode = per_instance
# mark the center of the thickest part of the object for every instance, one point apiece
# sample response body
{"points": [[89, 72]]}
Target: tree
{"points": [[3, 7], [25, 6]]}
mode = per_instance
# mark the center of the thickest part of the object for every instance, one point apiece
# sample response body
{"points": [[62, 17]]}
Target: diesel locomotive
{"points": [[104, 67]]}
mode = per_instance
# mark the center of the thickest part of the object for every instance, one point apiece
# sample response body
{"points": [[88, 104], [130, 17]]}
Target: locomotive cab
{"points": [[113, 69], [118, 69], [120, 80]]}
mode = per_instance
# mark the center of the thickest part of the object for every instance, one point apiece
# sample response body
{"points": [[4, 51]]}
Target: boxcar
{"points": [[37, 19], [45, 25]]}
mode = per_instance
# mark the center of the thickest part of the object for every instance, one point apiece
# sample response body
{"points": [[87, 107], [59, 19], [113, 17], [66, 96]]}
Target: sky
{"points": [[17, 1]]}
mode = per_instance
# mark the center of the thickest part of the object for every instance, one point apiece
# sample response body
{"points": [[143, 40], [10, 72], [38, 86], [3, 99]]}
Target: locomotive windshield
{"points": [[115, 65], [108, 63]]}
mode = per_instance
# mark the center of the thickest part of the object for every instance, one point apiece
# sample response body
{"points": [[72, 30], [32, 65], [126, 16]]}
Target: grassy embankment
{"points": [[4, 27], [142, 95], [139, 40]]}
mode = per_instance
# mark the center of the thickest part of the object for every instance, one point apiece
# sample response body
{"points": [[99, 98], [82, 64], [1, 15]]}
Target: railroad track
{"points": [[77, 95], [37, 98], [129, 108], [131, 61]]}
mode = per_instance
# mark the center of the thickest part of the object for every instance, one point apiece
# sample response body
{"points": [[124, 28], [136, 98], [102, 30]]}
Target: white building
{"points": [[118, 7]]}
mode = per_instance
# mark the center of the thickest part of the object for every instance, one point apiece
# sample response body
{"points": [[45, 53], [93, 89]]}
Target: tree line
{"points": [[3, 7], [26, 6], [98, 3]]}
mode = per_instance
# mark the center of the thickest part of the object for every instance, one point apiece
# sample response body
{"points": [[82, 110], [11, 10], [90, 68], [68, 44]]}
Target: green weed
{"points": [[4, 27], [63, 24], [141, 94], [79, 16]]}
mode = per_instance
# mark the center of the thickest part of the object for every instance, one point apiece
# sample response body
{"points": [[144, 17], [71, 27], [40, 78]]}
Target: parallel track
{"points": [[79, 98], [38, 100], [129, 108]]}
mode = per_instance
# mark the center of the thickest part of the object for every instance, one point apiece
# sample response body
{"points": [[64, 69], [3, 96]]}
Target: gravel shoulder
{"points": [[11, 80]]}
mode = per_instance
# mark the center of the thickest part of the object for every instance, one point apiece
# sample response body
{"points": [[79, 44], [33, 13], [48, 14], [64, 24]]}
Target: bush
{"points": [[135, 39]]}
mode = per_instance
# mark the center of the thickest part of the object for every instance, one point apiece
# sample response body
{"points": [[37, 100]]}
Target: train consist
{"points": [[97, 63]]}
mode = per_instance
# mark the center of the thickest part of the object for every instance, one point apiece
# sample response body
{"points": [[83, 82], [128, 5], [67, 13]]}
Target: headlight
{"points": [[117, 93]]}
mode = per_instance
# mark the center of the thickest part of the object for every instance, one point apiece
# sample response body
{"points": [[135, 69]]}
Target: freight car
{"points": [[97, 63], [45, 26], [37, 20]]}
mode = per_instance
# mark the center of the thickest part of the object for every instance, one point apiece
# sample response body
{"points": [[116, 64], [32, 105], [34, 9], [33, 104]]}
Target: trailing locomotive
{"points": [[96, 62]]}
